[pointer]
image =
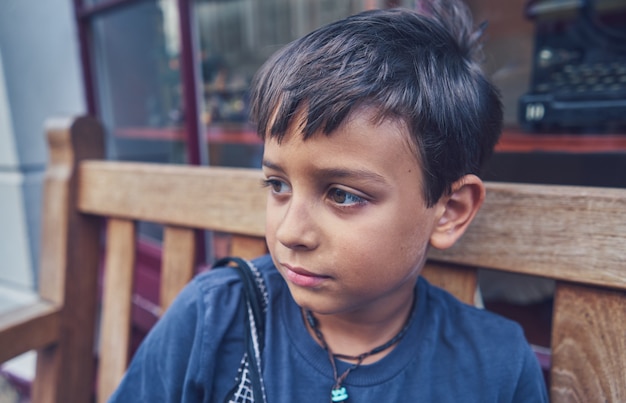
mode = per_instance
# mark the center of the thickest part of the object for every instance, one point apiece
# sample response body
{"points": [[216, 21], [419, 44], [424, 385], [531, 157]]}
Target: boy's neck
{"points": [[352, 334]]}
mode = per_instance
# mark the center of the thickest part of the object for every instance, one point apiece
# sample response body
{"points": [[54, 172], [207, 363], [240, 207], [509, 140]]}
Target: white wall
{"points": [[40, 77]]}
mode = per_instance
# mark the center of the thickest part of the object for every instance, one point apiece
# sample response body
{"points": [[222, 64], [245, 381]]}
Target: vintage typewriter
{"points": [[578, 81]]}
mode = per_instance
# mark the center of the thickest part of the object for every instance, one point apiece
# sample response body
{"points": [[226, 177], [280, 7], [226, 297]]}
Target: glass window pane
{"points": [[235, 37], [138, 82]]}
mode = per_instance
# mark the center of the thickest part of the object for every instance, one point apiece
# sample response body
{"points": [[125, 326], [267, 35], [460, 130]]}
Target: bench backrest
{"points": [[573, 235]]}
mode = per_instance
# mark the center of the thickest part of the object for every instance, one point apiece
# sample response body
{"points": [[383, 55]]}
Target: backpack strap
{"points": [[255, 299]]}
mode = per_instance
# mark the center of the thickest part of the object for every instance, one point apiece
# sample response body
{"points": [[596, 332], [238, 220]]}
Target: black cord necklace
{"points": [[338, 391]]}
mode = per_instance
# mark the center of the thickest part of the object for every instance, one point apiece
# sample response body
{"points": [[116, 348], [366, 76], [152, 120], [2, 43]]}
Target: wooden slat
{"points": [[204, 197], [247, 247], [116, 306], [563, 232], [27, 328], [460, 281], [588, 345], [179, 251]]}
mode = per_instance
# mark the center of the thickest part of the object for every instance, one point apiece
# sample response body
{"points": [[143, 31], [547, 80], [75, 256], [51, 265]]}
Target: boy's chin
{"points": [[309, 300]]}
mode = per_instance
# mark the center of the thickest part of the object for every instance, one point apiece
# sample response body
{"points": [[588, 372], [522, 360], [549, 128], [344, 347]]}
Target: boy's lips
{"points": [[302, 277]]}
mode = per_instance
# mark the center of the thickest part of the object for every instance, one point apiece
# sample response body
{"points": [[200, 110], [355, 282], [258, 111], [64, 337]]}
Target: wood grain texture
{"points": [[588, 345], [460, 281], [179, 252], [197, 197], [562, 232], [116, 305]]}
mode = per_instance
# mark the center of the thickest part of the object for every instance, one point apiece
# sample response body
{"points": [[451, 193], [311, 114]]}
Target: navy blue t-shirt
{"points": [[452, 352]]}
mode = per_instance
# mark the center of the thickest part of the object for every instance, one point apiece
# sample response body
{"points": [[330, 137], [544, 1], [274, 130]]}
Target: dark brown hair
{"points": [[418, 67]]}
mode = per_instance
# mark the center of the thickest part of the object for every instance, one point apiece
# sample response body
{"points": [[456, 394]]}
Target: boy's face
{"points": [[347, 224]]}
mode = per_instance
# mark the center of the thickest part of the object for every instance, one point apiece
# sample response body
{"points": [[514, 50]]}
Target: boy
{"points": [[375, 129]]}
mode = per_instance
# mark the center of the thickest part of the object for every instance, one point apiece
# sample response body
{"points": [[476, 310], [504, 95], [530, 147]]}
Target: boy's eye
{"points": [[342, 197], [276, 185]]}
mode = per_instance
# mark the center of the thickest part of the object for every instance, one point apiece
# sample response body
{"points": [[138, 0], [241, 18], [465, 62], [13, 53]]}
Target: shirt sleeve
{"points": [[532, 385], [163, 368]]}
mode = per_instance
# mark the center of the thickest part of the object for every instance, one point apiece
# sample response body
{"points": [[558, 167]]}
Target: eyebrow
{"points": [[338, 173], [271, 165]]}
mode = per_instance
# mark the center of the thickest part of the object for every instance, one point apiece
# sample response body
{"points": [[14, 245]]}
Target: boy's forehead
{"points": [[364, 114], [349, 135]]}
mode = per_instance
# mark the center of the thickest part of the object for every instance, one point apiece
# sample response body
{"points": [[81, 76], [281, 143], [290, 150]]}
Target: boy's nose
{"points": [[296, 229]]}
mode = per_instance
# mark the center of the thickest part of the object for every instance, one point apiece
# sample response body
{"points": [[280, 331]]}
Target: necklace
{"points": [[338, 391]]}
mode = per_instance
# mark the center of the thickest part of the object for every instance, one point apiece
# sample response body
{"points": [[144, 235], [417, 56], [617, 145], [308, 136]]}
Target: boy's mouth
{"points": [[302, 277]]}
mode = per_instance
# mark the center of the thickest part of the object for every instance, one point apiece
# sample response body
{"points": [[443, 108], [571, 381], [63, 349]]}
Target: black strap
{"points": [[253, 297], [251, 289]]}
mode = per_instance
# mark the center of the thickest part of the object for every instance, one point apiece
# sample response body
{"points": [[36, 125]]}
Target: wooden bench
{"points": [[574, 235]]}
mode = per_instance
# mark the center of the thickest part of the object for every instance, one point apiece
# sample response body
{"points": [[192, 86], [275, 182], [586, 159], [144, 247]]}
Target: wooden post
{"points": [[69, 264]]}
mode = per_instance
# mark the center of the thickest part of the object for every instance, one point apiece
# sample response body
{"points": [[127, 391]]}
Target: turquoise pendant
{"points": [[339, 395]]}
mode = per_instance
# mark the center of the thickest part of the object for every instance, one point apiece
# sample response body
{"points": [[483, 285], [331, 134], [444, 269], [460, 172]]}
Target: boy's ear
{"points": [[458, 211]]}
